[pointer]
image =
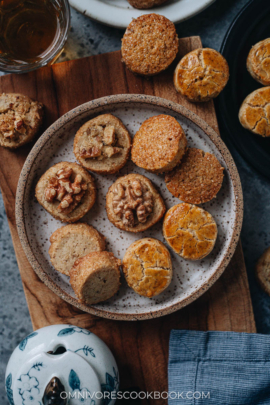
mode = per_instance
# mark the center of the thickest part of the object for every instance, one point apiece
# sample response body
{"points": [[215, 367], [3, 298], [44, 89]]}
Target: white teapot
{"points": [[62, 365]]}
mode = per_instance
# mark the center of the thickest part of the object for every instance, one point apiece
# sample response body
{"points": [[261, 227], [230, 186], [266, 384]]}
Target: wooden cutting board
{"points": [[140, 348]]}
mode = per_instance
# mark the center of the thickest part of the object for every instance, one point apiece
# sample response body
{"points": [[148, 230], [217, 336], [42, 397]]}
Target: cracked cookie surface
{"points": [[258, 62], [143, 4], [254, 113], [147, 267], [201, 75], [190, 231], [149, 45], [197, 179], [102, 144], [262, 271], [20, 119]]}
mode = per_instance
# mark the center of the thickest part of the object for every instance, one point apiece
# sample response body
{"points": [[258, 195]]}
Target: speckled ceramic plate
{"points": [[190, 278], [119, 13]]}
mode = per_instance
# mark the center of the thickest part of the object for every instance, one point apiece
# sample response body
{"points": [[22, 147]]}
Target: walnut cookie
{"points": [[258, 62], [149, 45], [147, 267], [201, 75], [102, 144], [159, 144], [67, 191], [133, 204], [144, 4], [20, 119], [190, 231]]}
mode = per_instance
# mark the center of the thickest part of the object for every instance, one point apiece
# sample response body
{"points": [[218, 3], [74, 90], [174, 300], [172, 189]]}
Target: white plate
{"points": [[190, 278], [119, 13]]}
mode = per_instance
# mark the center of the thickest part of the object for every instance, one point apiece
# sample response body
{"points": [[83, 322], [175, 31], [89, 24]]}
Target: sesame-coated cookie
{"points": [[95, 277], [20, 119], [142, 4], [67, 191], [262, 271], [102, 144], [197, 179], [258, 62], [149, 45], [133, 204], [190, 231], [254, 113], [147, 267], [70, 242], [159, 144], [201, 75]]}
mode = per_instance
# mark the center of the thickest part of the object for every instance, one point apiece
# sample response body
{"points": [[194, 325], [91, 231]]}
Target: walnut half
{"points": [[133, 202], [62, 189]]}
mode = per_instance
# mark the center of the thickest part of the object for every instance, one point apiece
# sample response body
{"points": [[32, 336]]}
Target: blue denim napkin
{"points": [[219, 368]]}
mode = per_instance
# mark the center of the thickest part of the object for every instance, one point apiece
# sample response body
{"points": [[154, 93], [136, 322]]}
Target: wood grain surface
{"points": [[140, 348]]}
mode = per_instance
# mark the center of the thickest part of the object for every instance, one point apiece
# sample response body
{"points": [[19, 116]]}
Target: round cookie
{"points": [[71, 242], [133, 204], [262, 271], [201, 75], [67, 191], [147, 267], [258, 62], [149, 45], [159, 144], [197, 179], [20, 119], [95, 277], [102, 144], [143, 4], [190, 231], [254, 113]]}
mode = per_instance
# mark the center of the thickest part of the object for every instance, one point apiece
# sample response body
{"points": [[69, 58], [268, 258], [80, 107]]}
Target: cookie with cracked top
{"points": [[144, 4], [258, 62], [262, 271]]}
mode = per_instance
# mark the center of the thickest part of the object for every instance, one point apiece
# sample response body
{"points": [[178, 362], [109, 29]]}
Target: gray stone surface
{"points": [[88, 38]]}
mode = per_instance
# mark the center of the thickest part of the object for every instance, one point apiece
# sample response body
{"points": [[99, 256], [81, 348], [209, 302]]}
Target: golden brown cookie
{"points": [[20, 119], [143, 4], [147, 267], [190, 231], [95, 277], [102, 144], [262, 271], [258, 62], [72, 242], [197, 179], [133, 204], [201, 75], [149, 45], [67, 191], [254, 113], [159, 144]]}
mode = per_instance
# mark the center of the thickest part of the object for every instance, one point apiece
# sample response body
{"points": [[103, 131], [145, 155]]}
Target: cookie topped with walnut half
{"points": [[67, 191], [102, 144], [20, 119], [133, 204]]}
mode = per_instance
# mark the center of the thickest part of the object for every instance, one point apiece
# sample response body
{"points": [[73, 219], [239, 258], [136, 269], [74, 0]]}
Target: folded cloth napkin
{"points": [[219, 368]]}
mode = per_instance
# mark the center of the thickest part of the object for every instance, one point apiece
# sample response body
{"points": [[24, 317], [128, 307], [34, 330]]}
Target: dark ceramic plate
{"points": [[250, 26]]}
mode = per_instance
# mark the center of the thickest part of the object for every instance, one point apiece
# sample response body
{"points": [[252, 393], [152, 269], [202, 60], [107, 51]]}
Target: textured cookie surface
{"points": [[159, 144], [102, 144], [133, 204], [20, 119], [95, 277], [72, 242], [142, 4], [197, 179], [147, 267], [190, 231], [149, 45], [263, 271], [201, 75], [258, 62], [254, 113], [67, 191]]}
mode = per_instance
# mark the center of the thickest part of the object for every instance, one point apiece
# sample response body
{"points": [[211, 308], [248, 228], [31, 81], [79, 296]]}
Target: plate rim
{"points": [[91, 12], [112, 101]]}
